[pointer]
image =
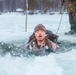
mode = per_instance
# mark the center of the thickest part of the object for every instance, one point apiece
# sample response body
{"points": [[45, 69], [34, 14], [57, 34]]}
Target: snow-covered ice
{"points": [[12, 28]]}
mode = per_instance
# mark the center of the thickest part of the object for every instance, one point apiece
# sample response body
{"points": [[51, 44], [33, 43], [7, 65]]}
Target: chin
{"points": [[40, 39]]}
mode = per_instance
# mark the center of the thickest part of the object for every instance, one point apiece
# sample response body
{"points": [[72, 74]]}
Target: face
{"points": [[40, 35]]}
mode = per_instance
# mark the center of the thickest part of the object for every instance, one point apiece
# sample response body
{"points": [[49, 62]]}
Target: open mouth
{"points": [[40, 36]]}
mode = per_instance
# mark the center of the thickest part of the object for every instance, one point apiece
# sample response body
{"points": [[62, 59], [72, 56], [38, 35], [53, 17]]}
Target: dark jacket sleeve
{"points": [[51, 36]]}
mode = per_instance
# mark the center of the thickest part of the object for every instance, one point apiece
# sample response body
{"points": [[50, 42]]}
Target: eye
{"points": [[42, 31], [37, 31]]}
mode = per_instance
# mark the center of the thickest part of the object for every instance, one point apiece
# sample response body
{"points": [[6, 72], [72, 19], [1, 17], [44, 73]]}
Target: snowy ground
{"points": [[12, 28]]}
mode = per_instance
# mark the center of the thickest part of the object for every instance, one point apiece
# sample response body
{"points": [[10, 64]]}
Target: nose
{"points": [[39, 32]]}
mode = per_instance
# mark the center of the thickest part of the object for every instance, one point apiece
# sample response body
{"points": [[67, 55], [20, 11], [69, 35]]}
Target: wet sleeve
{"points": [[55, 47], [29, 46]]}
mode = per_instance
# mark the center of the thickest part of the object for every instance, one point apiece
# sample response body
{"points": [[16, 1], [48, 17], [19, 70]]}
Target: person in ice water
{"points": [[41, 41]]}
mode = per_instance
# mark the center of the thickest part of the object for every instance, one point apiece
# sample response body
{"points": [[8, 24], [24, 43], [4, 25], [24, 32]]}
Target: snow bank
{"points": [[46, 65]]}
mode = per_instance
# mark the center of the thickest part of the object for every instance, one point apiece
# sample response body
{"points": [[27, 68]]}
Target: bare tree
{"points": [[42, 5]]}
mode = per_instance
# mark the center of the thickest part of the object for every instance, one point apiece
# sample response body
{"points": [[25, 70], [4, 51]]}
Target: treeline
{"points": [[11, 5], [42, 6]]}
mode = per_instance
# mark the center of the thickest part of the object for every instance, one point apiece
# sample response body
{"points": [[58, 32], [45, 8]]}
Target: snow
{"points": [[12, 28], [19, 9]]}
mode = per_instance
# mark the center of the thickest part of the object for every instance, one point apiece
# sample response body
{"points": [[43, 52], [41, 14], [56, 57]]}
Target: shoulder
{"points": [[30, 44], [52, 45]]}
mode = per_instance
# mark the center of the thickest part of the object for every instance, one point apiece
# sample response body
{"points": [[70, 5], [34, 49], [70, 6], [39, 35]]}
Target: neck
{"points": [[40, 42]]}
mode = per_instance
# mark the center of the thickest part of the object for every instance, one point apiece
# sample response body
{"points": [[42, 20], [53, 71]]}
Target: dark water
{"points": [[17, 48]]}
